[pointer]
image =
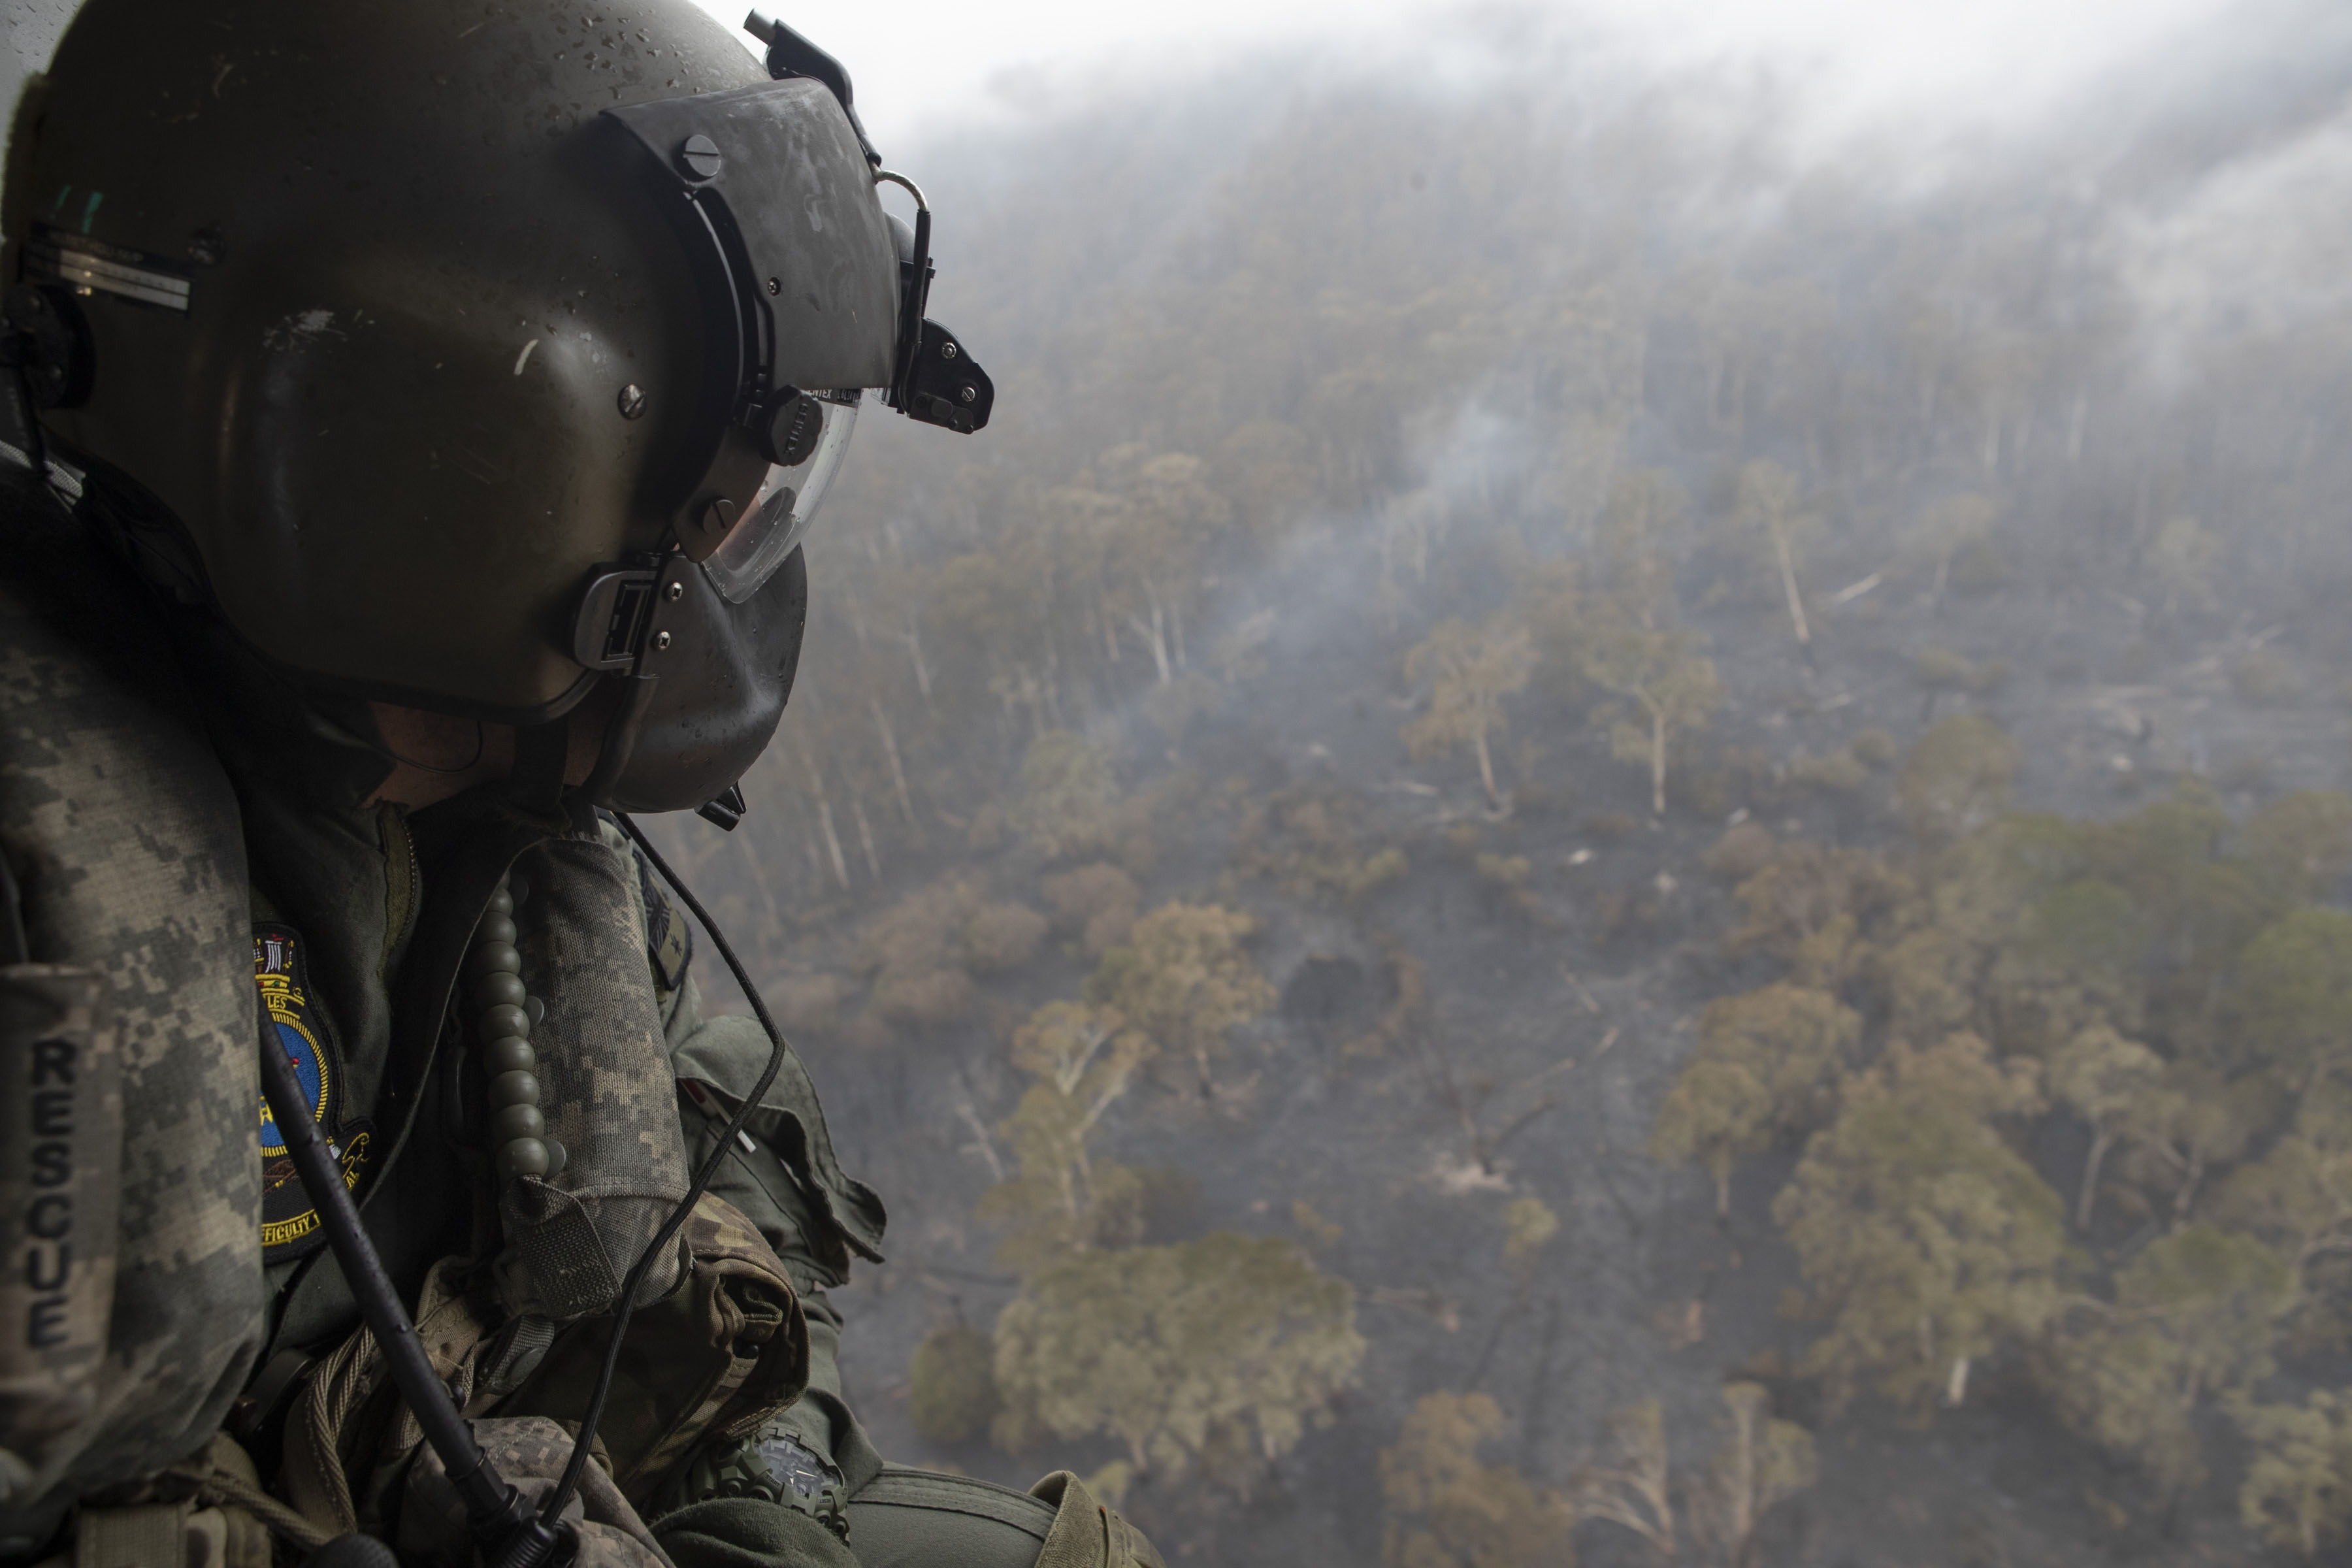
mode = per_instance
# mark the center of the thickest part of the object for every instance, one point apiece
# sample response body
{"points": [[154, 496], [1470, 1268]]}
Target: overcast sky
{"points": [[926, 68]]}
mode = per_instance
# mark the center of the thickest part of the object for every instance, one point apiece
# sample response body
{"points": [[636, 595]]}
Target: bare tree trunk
{"points": [[1152, 636], [890, 750], [825, 821], [833, 843], [2100, 1144], [1739, 1505], [1789, 584], [2186, 1195], [1160, 643], [914, 640], [1054, 684], [773, 931], [1486, 767], [1956, 1387], [865, 837], [1657, 762], [982, 1142]]}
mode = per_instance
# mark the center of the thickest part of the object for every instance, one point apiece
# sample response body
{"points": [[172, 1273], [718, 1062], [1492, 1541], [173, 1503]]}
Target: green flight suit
{"points": [[161, 792]]}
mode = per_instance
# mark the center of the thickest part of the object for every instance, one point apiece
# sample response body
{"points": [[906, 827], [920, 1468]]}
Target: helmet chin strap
{"points": [[621, 731], [542, 752]]}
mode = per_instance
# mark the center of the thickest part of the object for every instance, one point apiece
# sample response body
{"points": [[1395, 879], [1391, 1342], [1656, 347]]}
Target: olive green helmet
{"points": [[483, 353]]}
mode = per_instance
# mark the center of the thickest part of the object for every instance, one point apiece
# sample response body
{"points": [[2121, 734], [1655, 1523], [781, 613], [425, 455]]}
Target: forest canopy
{"points": [[1596, 828]]}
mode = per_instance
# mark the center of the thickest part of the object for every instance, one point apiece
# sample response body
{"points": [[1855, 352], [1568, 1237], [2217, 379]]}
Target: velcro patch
{"points": [[291, 1227]]}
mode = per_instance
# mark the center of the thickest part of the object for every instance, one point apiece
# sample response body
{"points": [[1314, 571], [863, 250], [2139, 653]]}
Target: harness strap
{"points": [[135, 1537]]}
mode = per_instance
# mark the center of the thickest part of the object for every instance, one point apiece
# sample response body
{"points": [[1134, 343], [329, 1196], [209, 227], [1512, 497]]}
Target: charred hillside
{"points": [[1595, 831]]}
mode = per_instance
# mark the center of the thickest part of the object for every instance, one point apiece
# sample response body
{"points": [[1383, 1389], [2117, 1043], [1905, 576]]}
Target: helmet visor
{"points": [[773, 526]]}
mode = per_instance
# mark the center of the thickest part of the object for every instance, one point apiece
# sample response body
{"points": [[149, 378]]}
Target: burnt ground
{"points": [[1583, 994]]}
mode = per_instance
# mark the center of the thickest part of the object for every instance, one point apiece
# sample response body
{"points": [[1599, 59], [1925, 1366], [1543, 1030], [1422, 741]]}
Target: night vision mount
{"points": [[935, 381]]}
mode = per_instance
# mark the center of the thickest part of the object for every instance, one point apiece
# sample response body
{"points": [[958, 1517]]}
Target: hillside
{"points": [[1525, 656]]}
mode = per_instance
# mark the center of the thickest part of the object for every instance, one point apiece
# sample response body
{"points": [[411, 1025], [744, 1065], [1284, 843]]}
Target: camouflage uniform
{"points": [[164, 797]]}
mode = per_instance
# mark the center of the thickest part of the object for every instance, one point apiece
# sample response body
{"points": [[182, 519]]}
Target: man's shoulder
{"points": [[76, 634], [110, 793]]}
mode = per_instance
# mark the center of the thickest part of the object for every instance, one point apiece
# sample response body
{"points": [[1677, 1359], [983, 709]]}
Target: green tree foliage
{"points": [[2191, 1125], [1931, 978], [1945, 529], [1769, 503], [2299, 1487], [1812, 906], [1063, 1199], [1759, 1463], [1185, 981], [1925, 1239], [1469, 671], [1307, 839], [1528, 1227], [1068, 796], [1213, 1354], [1670, 686], [2107, 1080], [2074, 959], [2296, 986], [1766, 1070], [1099, 901], [2193, 1315], [921, 953], [1447, 1508], [2298, 1196], [1957, 779], [2300, 844], [951, 1386]]}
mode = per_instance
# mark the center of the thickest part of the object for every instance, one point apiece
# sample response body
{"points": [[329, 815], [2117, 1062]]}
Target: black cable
{"points": [[578, 1463], [503, 1527]]}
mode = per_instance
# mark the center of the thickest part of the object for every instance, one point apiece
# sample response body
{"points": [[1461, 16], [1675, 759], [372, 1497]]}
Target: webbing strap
{"points": [[140, 1537]]}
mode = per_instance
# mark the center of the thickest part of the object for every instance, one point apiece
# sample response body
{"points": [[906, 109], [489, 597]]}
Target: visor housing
{"points": [[784, 506]]}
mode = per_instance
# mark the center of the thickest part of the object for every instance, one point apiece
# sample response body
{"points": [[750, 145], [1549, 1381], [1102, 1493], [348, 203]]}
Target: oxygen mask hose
{"points": [[507, 1534], [586, 1440]]}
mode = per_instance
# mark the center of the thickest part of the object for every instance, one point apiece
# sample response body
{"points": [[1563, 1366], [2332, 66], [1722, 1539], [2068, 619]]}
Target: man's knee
{"points": [[919, 1519]]}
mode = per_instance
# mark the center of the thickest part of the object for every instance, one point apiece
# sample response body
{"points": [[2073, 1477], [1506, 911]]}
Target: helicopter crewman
{"points": [[410, 417]]}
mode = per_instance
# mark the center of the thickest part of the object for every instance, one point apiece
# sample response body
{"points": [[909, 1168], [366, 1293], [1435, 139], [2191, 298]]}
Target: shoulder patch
{"points": [[669, 941], [289, 1223]]}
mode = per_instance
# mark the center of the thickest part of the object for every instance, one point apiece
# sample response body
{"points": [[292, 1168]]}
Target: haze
{"points": [[1613, 822]]}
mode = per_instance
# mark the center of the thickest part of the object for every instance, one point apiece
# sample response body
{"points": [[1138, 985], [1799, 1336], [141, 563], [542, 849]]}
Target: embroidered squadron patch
{"points": [[289, 1223]]}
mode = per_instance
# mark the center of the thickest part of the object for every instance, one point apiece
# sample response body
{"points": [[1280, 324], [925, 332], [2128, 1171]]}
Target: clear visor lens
{"points": [[779, 514]]}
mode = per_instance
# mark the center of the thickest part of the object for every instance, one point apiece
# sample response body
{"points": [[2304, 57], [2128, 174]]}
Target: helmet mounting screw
{"points": [[775, 285], [661, 642], [632, 401], [971, 394], [677, 592], [948, 348], [698, 158]]}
